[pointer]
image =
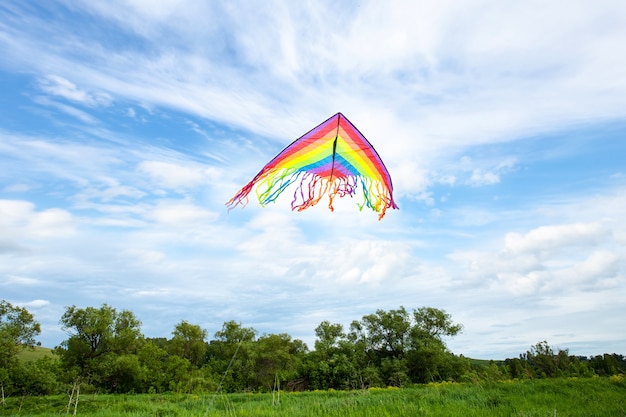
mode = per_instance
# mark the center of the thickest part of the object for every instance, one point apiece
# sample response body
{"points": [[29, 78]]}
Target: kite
{"points": [[332, 159]]}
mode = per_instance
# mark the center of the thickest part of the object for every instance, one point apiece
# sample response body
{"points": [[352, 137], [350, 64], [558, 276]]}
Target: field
{"points": [[556, 397], [34, 353]]}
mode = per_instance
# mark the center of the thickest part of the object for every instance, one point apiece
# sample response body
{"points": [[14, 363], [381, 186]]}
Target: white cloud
{"points": [[21, 280], [52, 223], [40, 156], [60, 87], [480, 177], [21, 219], [145, 255], [35, 304], [67, 109], [601, 263], [175, 176], [107, 189], [555, 259], [180, 213], [553, 238]]}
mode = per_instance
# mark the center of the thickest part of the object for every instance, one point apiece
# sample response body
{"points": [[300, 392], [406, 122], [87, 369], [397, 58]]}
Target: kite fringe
{"points": [[312, 188]]}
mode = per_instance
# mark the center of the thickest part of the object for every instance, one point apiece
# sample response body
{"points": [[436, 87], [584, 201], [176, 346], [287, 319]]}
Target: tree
{"points": [[331, 364], [518, 369], [541, 359], [189, 342], [432, 323], [276, 358], [544, 362], [230, 356], [405, 346], [34, 377], [18, 329], [328, 338], [386, 332], [97, 336], [606, 365], [383, 338], [430, 359], [124, 373], [152, 360], [233, 332]]}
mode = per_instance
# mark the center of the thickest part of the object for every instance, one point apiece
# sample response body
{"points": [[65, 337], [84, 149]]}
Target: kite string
{"points": [[224, 376]]}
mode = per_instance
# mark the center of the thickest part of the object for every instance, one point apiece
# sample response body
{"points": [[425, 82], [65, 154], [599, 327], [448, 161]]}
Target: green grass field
{"points": [[549, 397], [34, 353]]}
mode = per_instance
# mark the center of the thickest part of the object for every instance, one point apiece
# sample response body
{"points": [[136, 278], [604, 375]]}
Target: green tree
{"points": [[544, 362], [541, 359], [608, 364], [124, 373], [328, 339], [433, 324], [35, 377], [97, 336], [189, 342], [18, 329], [230, 356], [153, 360], [160, 371], [328, 367], [234, 333], [386, 333], [178, 372], [394, 371], [406, 347], [276, 358], [339, 361], [518, 369], [430, 359]]}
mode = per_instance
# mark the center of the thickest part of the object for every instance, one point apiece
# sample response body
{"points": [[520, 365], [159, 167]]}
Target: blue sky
{"points": [[125, 126]]}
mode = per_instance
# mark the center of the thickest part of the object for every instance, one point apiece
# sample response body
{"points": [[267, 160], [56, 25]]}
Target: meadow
{"points": [[584, 397], [34, 353]]}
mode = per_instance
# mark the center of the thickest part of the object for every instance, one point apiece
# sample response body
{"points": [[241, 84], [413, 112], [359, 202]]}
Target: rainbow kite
{"points": [[331, 159]]}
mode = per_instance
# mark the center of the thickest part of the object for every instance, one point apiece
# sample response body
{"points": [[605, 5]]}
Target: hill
{"points": [[34, 353]]}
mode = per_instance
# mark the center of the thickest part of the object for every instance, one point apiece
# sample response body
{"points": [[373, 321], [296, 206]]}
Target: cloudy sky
{"points": [[125, 126]]}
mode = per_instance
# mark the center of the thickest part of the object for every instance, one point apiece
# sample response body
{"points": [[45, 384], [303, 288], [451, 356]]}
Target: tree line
{"points": [[106, 352]]}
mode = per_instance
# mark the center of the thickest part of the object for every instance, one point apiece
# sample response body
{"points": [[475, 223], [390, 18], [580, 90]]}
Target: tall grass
{"points": [[555, 397]]}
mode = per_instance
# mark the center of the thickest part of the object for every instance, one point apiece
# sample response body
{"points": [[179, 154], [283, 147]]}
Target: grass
{"points": [[556, 397], [34, 353]]}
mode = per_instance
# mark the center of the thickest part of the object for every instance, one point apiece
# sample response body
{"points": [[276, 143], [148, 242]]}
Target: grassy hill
{"points": [[485, 362], [34, 353]]}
